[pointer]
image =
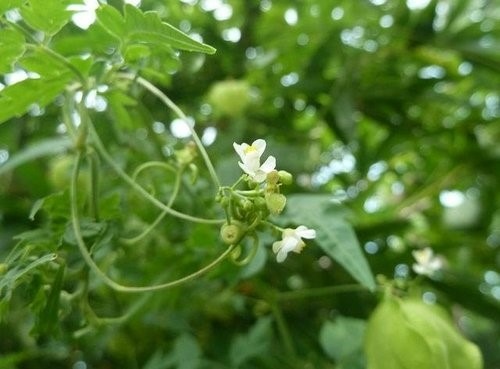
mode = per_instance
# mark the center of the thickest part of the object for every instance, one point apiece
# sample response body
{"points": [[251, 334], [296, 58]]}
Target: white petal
{"points": [[289, 244], [259, 176], [245, 168], [277, 246], [304, 232], [268, 165], [281, 256], [239, 150], [260, 146]]}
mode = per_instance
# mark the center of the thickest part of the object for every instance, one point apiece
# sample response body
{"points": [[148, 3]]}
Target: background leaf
{"points": [[12, 46], [334, 234]]}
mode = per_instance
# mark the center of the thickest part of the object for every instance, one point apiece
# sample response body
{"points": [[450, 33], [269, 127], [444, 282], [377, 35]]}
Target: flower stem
{"points": [[99, 146], [320, 291], [169, 103], [171, 200], [75, 220]]}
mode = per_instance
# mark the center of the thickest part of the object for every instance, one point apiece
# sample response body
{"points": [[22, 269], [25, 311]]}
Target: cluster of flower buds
{"points": [[248, 209]]}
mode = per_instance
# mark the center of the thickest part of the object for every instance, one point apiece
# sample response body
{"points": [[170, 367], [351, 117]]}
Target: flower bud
{"points": [[186, 155], [275, 202], [3, 268], [411, 334], [285, 177], [273, 177], [232, 233]]}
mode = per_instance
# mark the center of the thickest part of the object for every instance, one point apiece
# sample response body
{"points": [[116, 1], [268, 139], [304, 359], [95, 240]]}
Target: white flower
{"points": [[427, 263], [292, 241], [250, 160], [84, 15]]}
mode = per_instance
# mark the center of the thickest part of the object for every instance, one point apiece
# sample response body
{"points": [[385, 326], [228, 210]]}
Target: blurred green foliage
{"points": [[389, 107]]}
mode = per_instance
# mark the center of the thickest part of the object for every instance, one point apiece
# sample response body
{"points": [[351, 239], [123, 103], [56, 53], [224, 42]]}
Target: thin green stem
{"points": [[99, 146], [283, 329], [75, 220], [169, 103], [319, 292], [170, 202]]}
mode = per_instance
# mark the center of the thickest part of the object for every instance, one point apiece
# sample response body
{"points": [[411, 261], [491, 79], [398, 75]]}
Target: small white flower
{"points": [[427, 262], [292, 241], [250, 160], [84, 15]]}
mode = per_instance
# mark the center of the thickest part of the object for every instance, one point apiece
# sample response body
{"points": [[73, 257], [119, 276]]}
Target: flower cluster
{"points": [[250, 160], [265, 197], [427, 263]]}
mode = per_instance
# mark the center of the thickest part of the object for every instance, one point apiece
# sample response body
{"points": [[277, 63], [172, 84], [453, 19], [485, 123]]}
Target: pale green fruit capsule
{"points": [[230, 98], [410, 334], [275, 202], [232, 233], [285, 177]]}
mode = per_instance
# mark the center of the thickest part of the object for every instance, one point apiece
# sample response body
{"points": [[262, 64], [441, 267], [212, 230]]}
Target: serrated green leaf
{"points": [[11, 277], [47, 320], [46, 16], [9, 4], [112, 21], [146, 28], [15, 100], [333, 233], [11, 47]]}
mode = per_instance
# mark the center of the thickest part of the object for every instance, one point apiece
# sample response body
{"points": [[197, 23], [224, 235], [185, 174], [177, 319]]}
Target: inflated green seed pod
{"points": [[275, 203], [232, 233], [230, 98], [410, 334]]}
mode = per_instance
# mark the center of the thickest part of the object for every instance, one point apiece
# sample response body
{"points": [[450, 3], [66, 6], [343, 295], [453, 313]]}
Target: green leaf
{"points": [[48, 318], [187, 352], [136, 27], [9, 4], [16, 99], [47, 16], [342, 340], [36, 150], [11, 47], [111, 19], [333, 233], [11, 277], [255, 343]]}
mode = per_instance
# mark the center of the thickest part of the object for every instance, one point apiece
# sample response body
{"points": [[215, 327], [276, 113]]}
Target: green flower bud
{"points": [[232, 233], [273, 177], [411, 334], [285, 177], [186, 155], [260, 203], [275, 202], [3, 268]]}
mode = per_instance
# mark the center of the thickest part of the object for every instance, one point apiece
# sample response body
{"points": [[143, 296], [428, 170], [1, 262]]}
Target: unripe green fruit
{"points": [[230, 98], [275, 202], [285, 177], [232, 233], [410, 334]]}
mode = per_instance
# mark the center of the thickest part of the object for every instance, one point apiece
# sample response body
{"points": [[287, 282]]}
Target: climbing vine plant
{"points": [[127, 212]]}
